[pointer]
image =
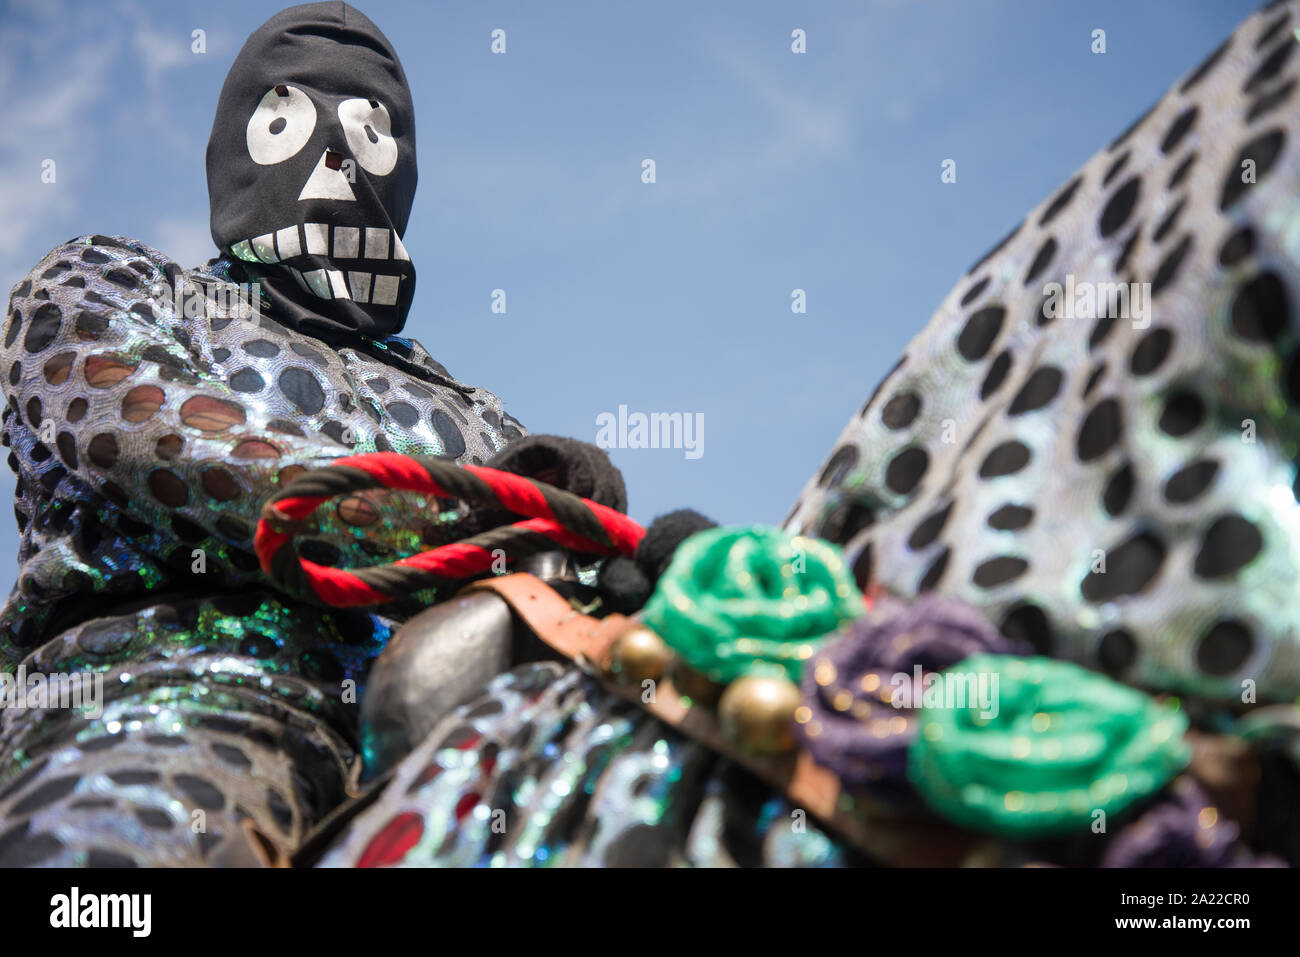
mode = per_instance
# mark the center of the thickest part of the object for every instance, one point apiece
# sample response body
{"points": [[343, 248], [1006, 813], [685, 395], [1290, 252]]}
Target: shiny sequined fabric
{"points": [[549, 769], [149, 415], [1119, 489], [1002, 452]]}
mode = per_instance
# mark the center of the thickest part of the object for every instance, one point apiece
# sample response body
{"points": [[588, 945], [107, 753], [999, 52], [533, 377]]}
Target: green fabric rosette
{"points": [[1057, 744], [751, 600]]}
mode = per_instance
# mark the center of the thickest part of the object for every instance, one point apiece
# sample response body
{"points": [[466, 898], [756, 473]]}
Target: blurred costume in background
{"points": [[1095, 439]]}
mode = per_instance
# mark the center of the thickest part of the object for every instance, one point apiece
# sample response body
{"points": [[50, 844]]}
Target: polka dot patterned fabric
{"points": [[547, 769], [140, 434], [223, 735], [149, 415], [1116, 484]]}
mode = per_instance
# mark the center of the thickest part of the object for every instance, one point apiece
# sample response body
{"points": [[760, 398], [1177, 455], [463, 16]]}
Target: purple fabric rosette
{"points": [[1183, 829], [861, 692]]}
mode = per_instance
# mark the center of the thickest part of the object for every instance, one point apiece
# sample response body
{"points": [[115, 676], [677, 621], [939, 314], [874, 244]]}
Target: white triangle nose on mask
{"points": [[326, 183]]}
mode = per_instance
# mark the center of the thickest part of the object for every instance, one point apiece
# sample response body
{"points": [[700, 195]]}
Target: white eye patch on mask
{"points": [[284, 121]]}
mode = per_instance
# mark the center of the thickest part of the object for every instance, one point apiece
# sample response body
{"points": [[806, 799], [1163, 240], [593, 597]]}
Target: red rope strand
{"points": [[286, 513]]}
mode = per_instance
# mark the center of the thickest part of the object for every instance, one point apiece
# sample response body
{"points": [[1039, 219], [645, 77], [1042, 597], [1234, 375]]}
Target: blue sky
{"points": [[775, 171]]}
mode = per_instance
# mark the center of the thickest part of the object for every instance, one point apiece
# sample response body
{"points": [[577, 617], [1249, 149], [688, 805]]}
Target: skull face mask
{"points": [[311, 171]]}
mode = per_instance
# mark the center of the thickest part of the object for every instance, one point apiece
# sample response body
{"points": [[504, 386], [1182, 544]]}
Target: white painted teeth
{"points": [[346, 242], [336, 284], [264, 247], [360, 282], [286, 240], [375, 288], [318, 238], [385, 293], [350, 242], [376, 243], [317, 283]]}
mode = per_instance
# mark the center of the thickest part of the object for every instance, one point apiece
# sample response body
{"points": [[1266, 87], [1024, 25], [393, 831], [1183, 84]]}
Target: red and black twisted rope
{"points": [[554, 517]]}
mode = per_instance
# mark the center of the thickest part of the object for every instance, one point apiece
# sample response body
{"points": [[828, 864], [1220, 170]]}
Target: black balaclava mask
{"points": [[311, 171]]}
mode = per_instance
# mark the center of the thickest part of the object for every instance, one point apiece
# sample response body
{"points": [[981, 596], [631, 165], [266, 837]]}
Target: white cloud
{"points": [[802, 123], [58, 74], [47, 114], [157, 51], [807, 123]]}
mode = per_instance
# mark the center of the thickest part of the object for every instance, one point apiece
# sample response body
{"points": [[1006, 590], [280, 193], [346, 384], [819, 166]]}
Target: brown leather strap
{"points": [[920, 842], [553, 619]]}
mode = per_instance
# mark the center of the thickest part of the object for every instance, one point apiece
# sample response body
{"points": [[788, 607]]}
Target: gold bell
{"points": [[757, 713], [638, 655]]}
